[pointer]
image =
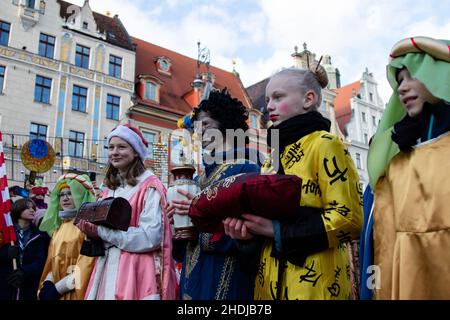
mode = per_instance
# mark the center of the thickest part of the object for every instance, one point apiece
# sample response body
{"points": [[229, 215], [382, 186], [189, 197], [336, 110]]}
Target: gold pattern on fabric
{"points": [[225, 278], [329, 180], [192, 254], [205, 242], [214, 176]]}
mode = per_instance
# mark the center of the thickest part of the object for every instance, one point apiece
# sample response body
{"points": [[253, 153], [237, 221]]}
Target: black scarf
{"points": [[409, 130], [293, 129]]}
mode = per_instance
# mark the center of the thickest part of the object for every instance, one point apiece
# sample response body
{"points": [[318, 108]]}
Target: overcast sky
{"points": [[260, 35]]}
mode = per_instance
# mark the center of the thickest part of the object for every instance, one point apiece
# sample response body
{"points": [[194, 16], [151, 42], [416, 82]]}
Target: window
{"points": [[164, 65], [253, 121], [150, 91], [112, 107], [79, 98], [371, 97], [151, 138], [364, 117], [76, 144], [2, 78], [38, 131], [366, 138], [374, 121], [82, 56], [42, 89], [115, 66], [30, 3], [4, 33], [358, 161], [46, 45]]}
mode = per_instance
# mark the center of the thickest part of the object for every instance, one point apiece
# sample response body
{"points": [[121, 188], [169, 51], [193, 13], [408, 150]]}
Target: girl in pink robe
{"points": [[137, 263]]}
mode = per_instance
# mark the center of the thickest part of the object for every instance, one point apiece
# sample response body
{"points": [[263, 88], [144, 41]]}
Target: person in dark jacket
{"points": [[29, 252]]}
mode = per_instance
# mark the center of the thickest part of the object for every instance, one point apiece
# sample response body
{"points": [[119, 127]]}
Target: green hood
{"points": [[80, 195], [435, 75]]}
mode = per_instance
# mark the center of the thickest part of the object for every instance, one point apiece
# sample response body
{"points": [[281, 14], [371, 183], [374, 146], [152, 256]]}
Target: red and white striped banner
{"points": [[7, 233]]}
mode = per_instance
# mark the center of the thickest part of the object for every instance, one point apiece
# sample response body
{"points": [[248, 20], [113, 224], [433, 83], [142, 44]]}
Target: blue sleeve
{"points": [[366, 258], [277, 235], [250, 167]]}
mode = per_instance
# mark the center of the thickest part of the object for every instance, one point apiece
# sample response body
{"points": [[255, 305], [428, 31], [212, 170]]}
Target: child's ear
{"points": [[310, 100]]}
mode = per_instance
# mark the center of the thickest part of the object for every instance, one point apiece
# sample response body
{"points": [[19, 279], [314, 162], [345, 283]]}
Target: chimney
{"points": [[303, 59]]}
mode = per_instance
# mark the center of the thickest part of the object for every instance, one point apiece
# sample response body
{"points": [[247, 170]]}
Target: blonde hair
{"points": [[315, 78]]}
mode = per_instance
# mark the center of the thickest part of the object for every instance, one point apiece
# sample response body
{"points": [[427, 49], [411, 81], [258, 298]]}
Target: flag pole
{"points": [[14, 260], [7, 226]]}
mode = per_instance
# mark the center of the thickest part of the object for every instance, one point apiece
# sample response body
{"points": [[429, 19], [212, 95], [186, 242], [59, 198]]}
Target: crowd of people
{"points": [[401, 221]]}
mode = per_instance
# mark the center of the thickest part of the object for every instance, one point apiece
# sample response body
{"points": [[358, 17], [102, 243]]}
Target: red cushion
{"points": [[268, 196]]}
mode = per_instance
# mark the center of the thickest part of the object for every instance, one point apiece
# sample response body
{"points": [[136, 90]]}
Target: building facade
{"points": [[67, 76], [359, 109]]}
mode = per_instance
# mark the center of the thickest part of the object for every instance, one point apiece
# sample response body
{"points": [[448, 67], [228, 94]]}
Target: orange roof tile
{"points": [[177, 85], [342, 106]]}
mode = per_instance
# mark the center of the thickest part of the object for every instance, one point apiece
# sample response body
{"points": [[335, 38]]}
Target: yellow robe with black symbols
{"points": [[329, 181]]}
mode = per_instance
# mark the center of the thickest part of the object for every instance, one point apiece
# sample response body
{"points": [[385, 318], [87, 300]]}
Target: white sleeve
{"points": [[147, 236], [66, 284]]}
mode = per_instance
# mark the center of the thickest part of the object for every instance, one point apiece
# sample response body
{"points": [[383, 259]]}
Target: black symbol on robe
{"points": [[310, 275], [273, 291], [261, 268], [324, 215], [337, 174], [311, 187], [341, 209], [327, 136], [359, 190], [293, 155], [337, 272], [344, 237], [334, 289]]}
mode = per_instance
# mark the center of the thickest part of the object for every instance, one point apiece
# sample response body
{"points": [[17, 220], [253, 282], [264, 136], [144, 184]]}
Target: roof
{"points": [[342, 107], [116, 33], [257, 93], [174, 92]]}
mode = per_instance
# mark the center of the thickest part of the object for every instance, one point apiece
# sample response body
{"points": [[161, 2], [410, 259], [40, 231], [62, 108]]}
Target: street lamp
{"points": [[203, 57]]}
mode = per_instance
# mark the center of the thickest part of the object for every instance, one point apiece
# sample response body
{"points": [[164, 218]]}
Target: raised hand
{"points": [[182, 206]]}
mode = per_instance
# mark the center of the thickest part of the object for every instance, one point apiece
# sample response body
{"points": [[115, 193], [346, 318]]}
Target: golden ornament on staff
{"points": [[37, 156]]}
